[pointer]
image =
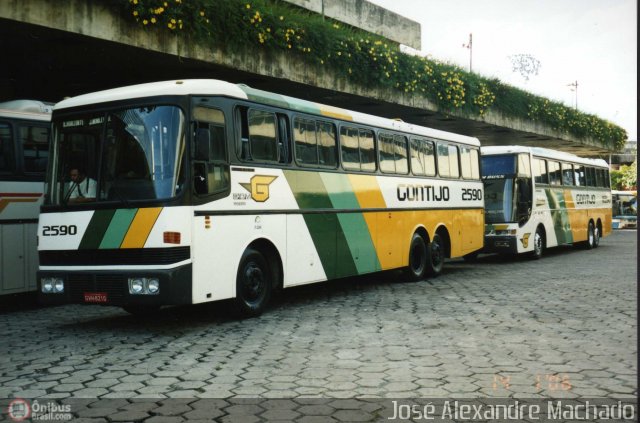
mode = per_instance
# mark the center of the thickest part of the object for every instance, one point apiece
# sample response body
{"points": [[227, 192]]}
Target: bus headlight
{"points": [[58, 285], [153, 286], [52, 285], [47, 285], [136, 286], [144, 286]]}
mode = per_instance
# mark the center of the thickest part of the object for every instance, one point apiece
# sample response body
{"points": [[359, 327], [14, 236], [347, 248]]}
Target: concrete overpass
{"points": [[52, 49]]}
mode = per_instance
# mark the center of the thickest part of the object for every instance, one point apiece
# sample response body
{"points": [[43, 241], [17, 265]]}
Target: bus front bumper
{"points": [[116, 287], [502, 244]]}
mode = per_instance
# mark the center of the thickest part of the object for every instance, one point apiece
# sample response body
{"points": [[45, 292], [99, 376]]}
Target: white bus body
{"points": [[24, 130], [536, 198]]}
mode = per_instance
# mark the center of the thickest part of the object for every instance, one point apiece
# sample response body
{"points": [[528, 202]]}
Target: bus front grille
{"points": [[106, 257]]}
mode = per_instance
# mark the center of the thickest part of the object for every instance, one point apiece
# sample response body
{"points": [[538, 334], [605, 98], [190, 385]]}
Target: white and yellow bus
{"points": [[536, 198], [206, 190], [24, 148]]}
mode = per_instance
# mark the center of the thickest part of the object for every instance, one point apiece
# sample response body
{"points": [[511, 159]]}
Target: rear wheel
{"points": [[591, 237], [436, 255], [253, 284], [596, 236], [417, 258]]}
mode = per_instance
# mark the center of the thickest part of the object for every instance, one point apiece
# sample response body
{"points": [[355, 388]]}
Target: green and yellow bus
{"points": [[536, 198], [205, 190]]}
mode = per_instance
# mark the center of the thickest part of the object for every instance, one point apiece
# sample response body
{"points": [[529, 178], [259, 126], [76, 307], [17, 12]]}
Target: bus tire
{"points": [[436, 255], [253, 284], [597, 233], [538, 244], [591, 237], [418, 257]]}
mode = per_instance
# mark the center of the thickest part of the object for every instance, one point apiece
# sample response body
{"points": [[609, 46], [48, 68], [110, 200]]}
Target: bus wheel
{"points": [[417, 258], [436, 252], [253, 284], [596, 236], [591, 237], [538, 244]]}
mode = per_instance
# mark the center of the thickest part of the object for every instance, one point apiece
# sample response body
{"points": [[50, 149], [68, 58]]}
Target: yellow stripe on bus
{"points": [[141, 227]]}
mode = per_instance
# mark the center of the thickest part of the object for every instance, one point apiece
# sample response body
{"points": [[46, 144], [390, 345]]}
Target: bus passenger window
{"points": [[591, 176], [423, 161], [304, 136], [448, 161], [387, 161], [554, 173], [581, 179], [469, 163], [7, 161], [367, 150], [540, 171], [326, 144], [567, 174], [358, 149], [349, 148], [35, 148], [263, 142]]}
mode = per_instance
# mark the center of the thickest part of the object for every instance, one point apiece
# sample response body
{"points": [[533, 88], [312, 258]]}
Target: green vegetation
{"points": [[358, 56]]}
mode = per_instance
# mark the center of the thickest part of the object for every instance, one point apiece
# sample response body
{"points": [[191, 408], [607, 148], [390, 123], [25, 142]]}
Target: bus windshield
{"points": [[507, 188], [120, 155]]}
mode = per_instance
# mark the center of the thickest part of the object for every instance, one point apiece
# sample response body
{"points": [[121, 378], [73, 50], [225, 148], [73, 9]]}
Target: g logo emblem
{"points": [[258, 186]]}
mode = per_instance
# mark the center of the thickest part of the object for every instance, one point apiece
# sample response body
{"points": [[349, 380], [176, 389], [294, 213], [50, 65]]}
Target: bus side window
{"points": [[210, 167], [540, 171], [35, 148], [567, 174], [7, 158], [263, 141], [448, 166], [581, 179], [367, 150], [554, 173], [469, 163], [591, 176]]}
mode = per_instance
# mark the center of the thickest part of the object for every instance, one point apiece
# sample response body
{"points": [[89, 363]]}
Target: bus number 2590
{"points": [[59, 230]]}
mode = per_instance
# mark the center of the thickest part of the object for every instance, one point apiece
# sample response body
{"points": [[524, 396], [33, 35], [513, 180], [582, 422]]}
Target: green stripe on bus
{"points": [[353, 225], [326, 232], [559, 216], [118, 228], [95, 230]]}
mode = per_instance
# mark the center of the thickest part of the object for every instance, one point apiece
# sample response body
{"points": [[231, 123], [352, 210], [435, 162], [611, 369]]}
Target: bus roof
{"points": [[542, 152], [26, 109], [222, 88]]}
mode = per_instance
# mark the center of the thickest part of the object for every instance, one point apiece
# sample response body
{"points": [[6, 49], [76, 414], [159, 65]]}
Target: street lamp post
{"points": [[470, 47]]}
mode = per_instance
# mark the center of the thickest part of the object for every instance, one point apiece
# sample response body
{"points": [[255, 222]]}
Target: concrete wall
{"points": [[287, 74], [368, 16]]}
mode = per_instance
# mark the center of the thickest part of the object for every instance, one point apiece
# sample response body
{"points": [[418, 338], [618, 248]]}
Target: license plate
{"points": [[95, 297]]}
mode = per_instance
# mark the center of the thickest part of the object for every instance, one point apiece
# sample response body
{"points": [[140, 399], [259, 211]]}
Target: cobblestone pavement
{"points": [[564, 326]]}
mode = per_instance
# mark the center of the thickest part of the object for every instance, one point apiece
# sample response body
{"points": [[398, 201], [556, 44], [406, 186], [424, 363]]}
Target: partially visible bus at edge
{"points": [[536, 198], [625, 209], [208, 190], [24, 148]]}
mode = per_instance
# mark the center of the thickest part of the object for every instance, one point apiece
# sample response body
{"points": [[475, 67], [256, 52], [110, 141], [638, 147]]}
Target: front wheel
{"points": [[253, 284], [436, 250], [538, 245]]}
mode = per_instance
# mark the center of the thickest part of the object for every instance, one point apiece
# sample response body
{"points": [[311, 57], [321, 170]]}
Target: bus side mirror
{"points": [[202, 144]]}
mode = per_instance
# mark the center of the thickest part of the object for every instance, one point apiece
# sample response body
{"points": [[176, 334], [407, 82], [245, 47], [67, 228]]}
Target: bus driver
{"points": [[82, 188]]}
